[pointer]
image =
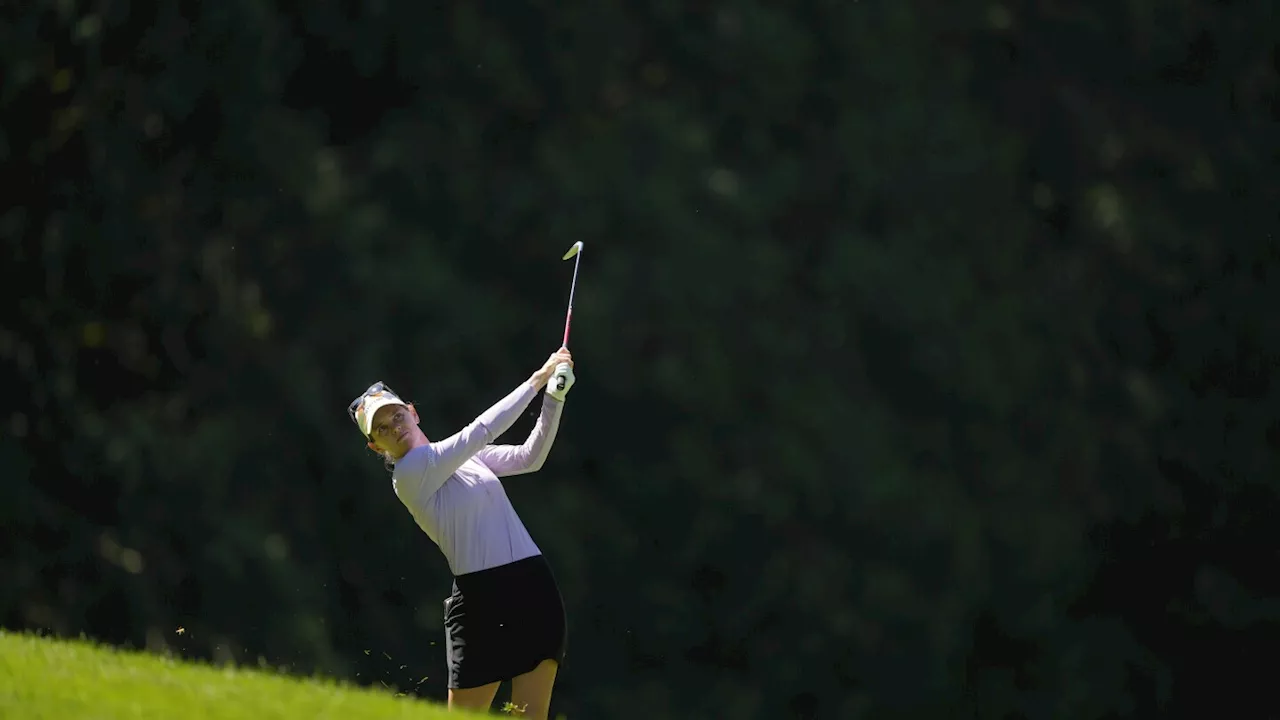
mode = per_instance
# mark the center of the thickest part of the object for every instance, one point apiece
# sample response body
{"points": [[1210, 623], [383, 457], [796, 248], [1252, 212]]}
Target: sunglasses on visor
{"points": [[374, 390]]}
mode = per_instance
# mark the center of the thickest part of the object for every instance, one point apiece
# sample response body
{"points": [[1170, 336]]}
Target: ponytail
{"points": [[387, 461]]}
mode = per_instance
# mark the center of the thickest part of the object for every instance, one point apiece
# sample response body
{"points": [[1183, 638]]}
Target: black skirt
{"points": [[502, 622]]}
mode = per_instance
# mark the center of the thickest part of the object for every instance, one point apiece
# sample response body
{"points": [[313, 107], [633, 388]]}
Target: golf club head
{"points": [[573, 250]]}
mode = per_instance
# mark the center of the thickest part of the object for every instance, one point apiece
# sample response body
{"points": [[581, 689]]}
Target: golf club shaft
{"points": [[572, 287], [576, 253]]}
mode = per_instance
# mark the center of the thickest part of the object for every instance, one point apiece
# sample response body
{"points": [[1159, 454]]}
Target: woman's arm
{"points": [[508, 460], [425, 468]]}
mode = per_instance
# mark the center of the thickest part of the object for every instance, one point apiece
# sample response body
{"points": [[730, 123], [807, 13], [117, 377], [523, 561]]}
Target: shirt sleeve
{"points": [[425, 468], [507, 460]]}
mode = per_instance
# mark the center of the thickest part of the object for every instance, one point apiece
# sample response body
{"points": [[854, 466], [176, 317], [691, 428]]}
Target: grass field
{"points": [[41, 678]]}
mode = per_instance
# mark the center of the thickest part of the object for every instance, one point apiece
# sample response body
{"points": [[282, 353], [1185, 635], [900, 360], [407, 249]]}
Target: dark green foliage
{"points": [[926, 351]]}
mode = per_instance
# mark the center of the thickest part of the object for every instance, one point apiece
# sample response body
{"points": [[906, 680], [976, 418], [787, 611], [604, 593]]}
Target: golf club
{"points": [[575, 251]]}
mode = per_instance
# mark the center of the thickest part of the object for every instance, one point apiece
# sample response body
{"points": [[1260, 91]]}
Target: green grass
{"points": [[76, 680]]}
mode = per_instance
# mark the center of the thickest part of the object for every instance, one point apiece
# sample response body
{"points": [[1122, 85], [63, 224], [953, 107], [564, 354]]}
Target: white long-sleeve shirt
{"points": [[451, 487]]}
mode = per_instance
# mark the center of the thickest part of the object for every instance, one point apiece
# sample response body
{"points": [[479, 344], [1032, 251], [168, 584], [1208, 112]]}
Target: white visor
{"points": [[375, 398]]}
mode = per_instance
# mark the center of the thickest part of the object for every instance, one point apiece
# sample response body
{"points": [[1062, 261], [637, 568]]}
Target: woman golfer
{"points": [[505, 619]]}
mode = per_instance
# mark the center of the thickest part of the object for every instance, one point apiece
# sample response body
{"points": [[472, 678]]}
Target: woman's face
{"points": [[395, 430]]}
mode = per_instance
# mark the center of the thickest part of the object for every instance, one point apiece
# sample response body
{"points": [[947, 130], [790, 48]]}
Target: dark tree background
{"points": [[927, 351]]}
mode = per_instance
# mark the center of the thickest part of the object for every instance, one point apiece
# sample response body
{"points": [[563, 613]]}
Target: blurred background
{"points": [[927, 351]]}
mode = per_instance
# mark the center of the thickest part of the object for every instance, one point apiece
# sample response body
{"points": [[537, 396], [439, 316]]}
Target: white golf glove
{"points": [[561, 380]]}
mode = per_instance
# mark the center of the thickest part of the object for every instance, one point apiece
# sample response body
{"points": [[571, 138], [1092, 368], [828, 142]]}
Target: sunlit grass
{"points": [[64, 680]]}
